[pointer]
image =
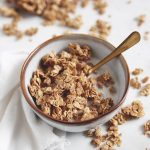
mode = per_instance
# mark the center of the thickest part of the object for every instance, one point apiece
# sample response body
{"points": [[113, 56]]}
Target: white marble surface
{"points": [[122, 21]]}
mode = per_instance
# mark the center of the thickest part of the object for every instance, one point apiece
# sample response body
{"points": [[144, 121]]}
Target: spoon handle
{"points": [[130, 41]]}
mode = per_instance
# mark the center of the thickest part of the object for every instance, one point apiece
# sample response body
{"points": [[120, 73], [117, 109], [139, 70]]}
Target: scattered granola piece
{"points": [[73, 22], [84, 3], [140, 19], [90, 133], [96, 142], [12, 30], [137, 71], [119, 119], [145, 91], [135, 83], [147, 128], [101, 29], [134, 110], [145, 79], [129, 1], [105, 79], [31, 31], [146, 35], [100, 6]]}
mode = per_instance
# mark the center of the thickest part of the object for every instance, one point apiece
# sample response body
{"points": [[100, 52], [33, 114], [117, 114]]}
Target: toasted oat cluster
{"points": [[100, 6], [135, 83], [145, 91], [62, 89], [11, 29], [51, 11], [145, 79], [147, 128], [101, 29], [140, 19], [31, 31], [137, 71], [146, 35]]}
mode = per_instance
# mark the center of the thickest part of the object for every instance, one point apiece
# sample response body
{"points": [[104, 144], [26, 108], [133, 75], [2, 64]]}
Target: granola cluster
{"points": [[145, 91], [141, 84], [101, 29], [147, 128], [135, 110], [62, 89], [100, 6]]}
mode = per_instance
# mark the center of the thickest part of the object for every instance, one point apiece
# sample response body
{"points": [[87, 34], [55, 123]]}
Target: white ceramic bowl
{"points": [[117, 67]]}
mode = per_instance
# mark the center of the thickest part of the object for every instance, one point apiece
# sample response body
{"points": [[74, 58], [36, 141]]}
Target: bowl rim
{"points": [[38, 48]]}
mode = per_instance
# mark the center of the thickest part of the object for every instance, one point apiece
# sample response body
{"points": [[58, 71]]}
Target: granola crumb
{"points": [[135, 83], [129, 1], [84, 3], [145, 79], [146, 35], [73, 22], [147, 128], [137, 71], [145, 91], [140, 20], [31, 31], [100, 6], [101, 29], [112, 90]]}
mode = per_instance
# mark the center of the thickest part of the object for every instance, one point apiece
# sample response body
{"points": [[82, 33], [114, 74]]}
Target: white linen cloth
{"points": [[20, 128]]}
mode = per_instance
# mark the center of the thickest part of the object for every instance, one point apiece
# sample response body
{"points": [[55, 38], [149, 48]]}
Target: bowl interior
{"points": [[117, 67]]}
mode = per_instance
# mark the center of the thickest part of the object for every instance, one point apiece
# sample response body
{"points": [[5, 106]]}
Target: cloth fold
{"points": [[20, 127]]}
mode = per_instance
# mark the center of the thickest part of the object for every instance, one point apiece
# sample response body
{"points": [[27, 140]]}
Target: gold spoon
{"points": [[130, 41]]}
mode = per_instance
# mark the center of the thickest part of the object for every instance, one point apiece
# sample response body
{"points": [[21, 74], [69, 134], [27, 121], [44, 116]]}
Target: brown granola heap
{"points": [[62, 89], [101, 29], [145, 91], [147, 128], [135, 110], [140, 19]]}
